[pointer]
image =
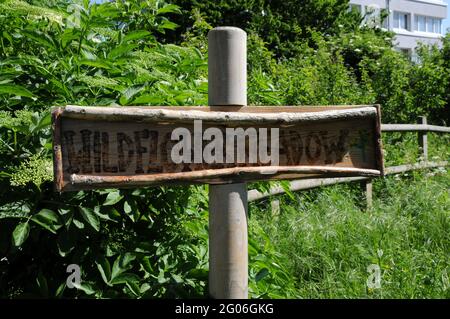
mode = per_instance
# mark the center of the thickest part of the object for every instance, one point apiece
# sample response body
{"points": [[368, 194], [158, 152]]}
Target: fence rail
{"points": [[304, 184], [422, 129], [414, 128]]}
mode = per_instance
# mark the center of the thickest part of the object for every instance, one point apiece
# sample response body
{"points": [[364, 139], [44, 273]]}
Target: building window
{"points": [[437, 25], [401, 20], [421, 24], [428, 24], [405, 52], [408, 53]]}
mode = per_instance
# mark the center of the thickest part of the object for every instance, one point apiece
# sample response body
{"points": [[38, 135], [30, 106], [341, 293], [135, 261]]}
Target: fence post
{"points": [[228, 238], [368, 193], [275, 207], [423, 138]]}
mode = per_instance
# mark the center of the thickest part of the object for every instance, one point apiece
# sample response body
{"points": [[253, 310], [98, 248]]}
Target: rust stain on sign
{"points": [[97, 147]]}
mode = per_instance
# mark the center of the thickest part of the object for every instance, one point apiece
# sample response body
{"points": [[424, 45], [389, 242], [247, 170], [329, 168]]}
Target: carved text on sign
{"points": [[149, 150], [155, 147]]}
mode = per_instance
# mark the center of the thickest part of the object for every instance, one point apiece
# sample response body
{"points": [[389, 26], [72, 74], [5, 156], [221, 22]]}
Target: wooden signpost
{"points": [[224, 145], [133, 146]]}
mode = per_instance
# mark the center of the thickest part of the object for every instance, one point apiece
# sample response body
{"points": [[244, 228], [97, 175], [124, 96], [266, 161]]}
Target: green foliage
{"points": [[327, 242], [107, 55], [149, 242], [430, 81], [401, 148], [282, 24]]}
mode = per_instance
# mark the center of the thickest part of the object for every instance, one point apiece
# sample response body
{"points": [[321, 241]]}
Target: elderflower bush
{"points": [[35, 12], [36, 170], [101, 62]]}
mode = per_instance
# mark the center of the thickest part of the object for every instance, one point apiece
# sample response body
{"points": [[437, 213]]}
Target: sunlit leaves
{"points": [[112, 198], [48, 219], [168, 8], [136, 35], [104, 268], [15, 89], [20, 233], [90, 217]]}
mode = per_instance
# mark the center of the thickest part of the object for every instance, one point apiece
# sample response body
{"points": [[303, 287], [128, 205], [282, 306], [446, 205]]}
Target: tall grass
{"points": [[402, 148], [327, 239]]}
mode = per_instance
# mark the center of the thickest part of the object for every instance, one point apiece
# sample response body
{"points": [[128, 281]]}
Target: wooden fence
{"points": [[422, 128]]}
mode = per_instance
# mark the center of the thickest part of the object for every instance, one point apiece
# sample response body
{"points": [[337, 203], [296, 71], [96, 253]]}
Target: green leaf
{"points": [[66, 242], [169, 8], [129, 93], [286, 185], [262, 274], [42, 284], [126, 207], [144, 287], [60, 290], [105, 269], [20, 233], [178, 279], [145, 263], [126, 259], [47, 219], [7, 36], [136, 35], [124, 278], [68, 36], [78, 224], [85, 287], [147, 99], [104, 216], [121, 264], [89, 55], [112, 198], [199, 273], [43, 120], [90, 217], [15, 90], [96, 64], [161, 278], [121, 50], [41, 38], [134, 287], [166, 24]]}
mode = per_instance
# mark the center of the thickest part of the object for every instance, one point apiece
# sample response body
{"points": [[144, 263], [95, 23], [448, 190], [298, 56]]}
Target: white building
{"points": [[412, 21]]}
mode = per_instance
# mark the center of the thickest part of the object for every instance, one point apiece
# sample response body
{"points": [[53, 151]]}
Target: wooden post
{"points": [[368, 192], [275, 207], [423, 138], [228, 238]]}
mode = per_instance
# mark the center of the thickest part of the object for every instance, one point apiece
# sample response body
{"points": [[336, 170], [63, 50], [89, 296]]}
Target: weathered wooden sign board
{"points": [[98, 147]]}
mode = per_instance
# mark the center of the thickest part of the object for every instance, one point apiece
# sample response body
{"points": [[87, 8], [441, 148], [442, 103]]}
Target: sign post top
{"points": [[227, 66]]}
